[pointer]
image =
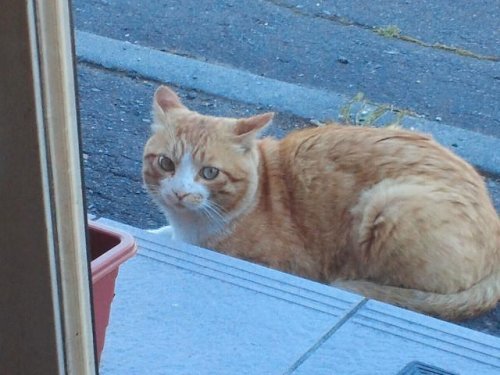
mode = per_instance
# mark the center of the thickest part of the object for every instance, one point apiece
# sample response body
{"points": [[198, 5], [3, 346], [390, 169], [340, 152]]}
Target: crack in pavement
{"points": [[379, 30]]}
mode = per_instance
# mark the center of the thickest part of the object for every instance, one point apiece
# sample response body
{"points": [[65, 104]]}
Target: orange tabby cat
{"points": [[386, 213]]}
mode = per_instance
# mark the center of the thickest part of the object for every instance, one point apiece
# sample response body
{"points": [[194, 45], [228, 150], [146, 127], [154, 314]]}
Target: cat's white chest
{"points": [[163, 232], [192, 231], [195, 232]]}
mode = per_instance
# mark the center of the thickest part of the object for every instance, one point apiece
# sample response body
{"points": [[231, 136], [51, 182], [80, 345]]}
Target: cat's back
{"points": [[330, 173], [331, 166], [368, 155]]}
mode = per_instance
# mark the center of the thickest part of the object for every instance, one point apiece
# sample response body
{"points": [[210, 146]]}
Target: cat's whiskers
{"points": [[214, 213], [217, 207]]}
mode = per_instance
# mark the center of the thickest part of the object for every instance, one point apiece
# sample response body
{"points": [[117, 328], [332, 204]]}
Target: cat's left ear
{"points": [[247, 129]]}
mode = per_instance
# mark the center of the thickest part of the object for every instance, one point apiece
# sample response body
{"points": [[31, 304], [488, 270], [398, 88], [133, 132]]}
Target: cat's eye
{"points": [[166, 164], [209, 173]]}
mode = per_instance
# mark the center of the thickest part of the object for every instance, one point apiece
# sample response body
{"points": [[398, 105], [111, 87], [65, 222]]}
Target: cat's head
{"points": [[201, 165]]}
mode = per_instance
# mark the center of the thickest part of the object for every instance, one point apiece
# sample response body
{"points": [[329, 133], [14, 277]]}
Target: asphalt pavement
{"points": [[436, 62], [341, 46]]}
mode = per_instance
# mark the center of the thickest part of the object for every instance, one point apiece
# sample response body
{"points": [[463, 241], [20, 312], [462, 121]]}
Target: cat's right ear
{"points": [[165, 100]]}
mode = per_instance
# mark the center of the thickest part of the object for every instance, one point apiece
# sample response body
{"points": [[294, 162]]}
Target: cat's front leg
{"points": [[166, 231]]}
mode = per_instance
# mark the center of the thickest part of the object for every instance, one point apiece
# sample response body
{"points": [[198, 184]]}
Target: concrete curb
{"points": [[481, 150]]}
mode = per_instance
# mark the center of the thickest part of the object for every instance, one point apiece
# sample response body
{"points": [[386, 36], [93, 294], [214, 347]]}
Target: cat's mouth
{"points": [[182, 203], [182, 206], [175, 204]]}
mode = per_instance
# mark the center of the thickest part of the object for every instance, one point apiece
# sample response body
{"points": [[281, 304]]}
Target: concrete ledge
{"points": [[392, 338], [481, 150], [242, 274], [180, 309]]}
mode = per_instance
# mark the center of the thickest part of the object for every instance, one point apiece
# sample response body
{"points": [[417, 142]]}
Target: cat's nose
{"points": [[180, 195]]}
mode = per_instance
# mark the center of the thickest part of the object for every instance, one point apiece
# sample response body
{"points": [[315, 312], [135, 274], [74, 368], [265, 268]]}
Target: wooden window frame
{"points": [[45, 308]]}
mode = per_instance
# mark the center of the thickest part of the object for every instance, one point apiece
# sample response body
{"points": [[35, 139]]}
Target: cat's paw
{"points": [[166, 231]]}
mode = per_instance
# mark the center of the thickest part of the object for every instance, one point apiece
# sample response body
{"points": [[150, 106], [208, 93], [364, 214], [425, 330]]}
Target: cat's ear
{"points": [[165, 100], [248, 128]]}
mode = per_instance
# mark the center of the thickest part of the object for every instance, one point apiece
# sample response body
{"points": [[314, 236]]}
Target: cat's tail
{"points": [[479, 298]]}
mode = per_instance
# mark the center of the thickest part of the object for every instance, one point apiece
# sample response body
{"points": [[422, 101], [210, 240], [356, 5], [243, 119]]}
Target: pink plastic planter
{"points": [[109, 249]]}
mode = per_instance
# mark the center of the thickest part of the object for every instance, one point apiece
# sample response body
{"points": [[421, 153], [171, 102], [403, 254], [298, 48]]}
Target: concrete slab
{"points": [[183, 310], [382, 339], [180, 309]]}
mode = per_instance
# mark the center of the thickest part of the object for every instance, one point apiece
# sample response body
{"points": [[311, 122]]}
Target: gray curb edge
{"points": [[481, 150]]}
